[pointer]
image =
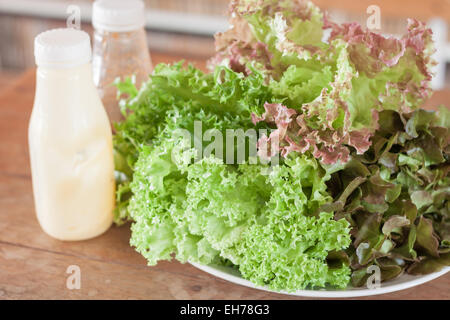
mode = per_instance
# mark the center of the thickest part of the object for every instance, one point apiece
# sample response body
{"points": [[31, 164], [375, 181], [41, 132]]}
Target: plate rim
{"points": [[418, 280]]}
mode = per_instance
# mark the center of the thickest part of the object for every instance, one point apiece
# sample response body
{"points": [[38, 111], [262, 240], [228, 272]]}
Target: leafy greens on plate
{"points": [[364, 174]]}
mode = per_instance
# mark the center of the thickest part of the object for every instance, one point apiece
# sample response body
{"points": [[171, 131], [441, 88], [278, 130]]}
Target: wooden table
{"points": [[33, 265]]}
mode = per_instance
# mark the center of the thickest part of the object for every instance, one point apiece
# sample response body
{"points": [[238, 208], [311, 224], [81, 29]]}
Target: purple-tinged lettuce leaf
{"points": [[394, 222], [396, 196], [286, 31], [338, 85], [429, 265], [402, 65], [426, 239]]}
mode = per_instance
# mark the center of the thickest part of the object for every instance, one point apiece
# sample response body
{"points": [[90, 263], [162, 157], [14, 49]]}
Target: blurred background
{"points": [[179, 29]]}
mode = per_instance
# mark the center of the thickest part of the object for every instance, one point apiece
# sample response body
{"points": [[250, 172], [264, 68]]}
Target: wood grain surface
{"points": [[33, 265]]}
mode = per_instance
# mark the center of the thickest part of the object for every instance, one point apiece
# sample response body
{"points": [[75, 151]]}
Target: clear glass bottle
{"points": [[120, 49]]}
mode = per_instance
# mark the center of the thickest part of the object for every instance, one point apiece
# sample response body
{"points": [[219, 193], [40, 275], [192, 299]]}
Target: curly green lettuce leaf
{"points": [[173, 99], [174, 95], [292, 258], [287, 247], [207, 211]]}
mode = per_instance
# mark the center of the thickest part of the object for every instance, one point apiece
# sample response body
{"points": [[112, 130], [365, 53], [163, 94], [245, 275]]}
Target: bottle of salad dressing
{"points": [[70, 140]]}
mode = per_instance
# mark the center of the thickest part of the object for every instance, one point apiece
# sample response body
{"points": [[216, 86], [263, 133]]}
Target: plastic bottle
{"points": [[120, 48], [70, 140]]}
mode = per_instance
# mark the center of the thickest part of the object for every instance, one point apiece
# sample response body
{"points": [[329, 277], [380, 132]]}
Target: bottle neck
{"points": [[68, 75], [120, 35], [59, 87], [120, 54]]}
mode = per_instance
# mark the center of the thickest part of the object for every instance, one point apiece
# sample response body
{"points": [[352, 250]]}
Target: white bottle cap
{"points": [[118, 15], [62, 48]]}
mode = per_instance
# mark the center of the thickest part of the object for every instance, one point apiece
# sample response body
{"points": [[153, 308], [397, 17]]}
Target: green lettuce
{"points": [[364, 175], [174, 98], [288, 245], [208, 212], [205, 211]]}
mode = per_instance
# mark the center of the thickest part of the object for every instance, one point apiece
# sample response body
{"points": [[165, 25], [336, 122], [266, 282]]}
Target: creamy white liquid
{"points": [[71, 155]]}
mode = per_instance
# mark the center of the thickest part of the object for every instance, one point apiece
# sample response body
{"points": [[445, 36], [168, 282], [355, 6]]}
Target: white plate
{"points": [[403, 282]]}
